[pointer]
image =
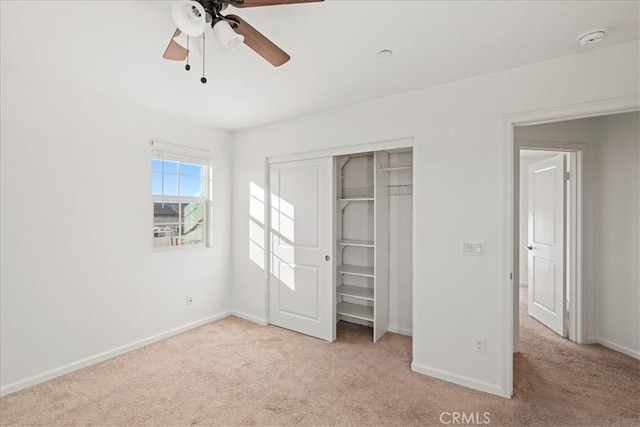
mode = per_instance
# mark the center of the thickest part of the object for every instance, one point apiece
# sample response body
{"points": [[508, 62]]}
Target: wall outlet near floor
{"points": [[189, 299], [478, 344]]}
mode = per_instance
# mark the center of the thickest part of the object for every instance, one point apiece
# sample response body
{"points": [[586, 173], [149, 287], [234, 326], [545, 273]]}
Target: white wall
{"points": [[618, 233], [460, 180], [79, 276]]}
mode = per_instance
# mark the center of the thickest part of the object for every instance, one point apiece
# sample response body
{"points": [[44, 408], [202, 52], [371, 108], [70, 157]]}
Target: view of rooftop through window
{"points": [[179, 191]]}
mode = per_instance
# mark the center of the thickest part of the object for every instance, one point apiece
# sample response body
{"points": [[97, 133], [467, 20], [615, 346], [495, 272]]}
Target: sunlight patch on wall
{"points": [[281, 237], [256, 225]]}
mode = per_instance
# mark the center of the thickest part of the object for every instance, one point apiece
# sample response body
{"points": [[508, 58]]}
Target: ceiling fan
{"points": [[192, 17]]}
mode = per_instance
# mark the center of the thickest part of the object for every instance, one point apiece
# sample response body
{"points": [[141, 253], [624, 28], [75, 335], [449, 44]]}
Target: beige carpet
{"points": [[233, 372]]}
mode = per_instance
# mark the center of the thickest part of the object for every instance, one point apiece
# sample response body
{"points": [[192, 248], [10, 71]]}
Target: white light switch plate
{"points": [[473, 248]]}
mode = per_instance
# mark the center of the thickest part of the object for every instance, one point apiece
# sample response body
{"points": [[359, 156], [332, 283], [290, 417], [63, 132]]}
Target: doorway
{"points": [[601, 234], [545, 231]]}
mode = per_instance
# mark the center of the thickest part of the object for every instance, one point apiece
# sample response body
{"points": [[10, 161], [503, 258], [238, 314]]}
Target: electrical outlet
{"points": [[189, 299], [478, 344]]}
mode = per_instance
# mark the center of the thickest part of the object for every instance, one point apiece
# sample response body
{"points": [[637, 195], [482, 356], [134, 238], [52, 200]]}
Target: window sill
{"points": [[179, 248]]}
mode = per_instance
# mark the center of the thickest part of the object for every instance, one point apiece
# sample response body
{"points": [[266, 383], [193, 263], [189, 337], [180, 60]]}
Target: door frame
{"points": [[557, 114], [393, 144]]}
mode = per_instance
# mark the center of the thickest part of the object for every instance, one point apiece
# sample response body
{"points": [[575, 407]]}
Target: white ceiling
{"points": [[116, 47]]}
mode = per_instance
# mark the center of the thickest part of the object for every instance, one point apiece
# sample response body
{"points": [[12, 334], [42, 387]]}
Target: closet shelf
{"points": [[356, 292], [356, 199], [397, 168], [356, 311], [356, 270], [361, 243]]}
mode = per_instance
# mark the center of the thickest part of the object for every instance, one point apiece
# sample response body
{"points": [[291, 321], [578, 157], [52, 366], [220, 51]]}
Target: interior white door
{"points": [[547, 195], [301, 296]]}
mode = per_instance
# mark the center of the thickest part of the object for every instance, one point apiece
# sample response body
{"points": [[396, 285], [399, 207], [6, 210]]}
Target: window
{"points": [[181, 192]]}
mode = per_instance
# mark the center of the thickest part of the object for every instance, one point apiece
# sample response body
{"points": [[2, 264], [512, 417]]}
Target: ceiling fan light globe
{"points": [[189, 16], [229, 40], [232, 45]]}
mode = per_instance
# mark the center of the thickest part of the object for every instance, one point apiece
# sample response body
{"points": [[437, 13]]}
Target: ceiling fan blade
{"points": [[255, 3], [174, 51], [259, 43]]}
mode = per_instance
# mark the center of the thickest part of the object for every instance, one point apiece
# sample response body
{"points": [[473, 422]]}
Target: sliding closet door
{"points": [[301, 296]]}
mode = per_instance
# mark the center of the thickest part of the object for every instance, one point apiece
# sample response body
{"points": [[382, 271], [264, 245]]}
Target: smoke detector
{"points": [[592, 36]]}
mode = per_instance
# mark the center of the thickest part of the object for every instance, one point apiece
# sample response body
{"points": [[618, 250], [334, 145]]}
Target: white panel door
{"points": [[301, 296], [547, 291]]}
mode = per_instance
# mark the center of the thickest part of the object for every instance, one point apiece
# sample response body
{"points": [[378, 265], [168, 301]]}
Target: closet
{"points": [[366, 185], [340, 241]]}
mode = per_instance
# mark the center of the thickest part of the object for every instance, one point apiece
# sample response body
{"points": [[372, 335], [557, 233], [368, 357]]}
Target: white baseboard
{"points": [[457, 379], [619, 348], [100, 357], [401, 331], [249, 317]]}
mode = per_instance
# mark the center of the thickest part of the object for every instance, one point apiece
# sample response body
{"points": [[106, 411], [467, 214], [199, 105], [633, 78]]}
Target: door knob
{"points": [[328, 258], [530, 247]]}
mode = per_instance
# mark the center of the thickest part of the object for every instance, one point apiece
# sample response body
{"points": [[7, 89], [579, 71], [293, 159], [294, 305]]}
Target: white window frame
{"points": [[179, 153]]}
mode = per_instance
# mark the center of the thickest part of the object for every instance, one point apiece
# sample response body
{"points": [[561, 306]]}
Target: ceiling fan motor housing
{"points": [[213, 6]]}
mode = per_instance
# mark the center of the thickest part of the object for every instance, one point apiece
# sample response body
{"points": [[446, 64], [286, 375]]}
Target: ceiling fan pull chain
{"points": [[188, 67], [204, 50]]}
